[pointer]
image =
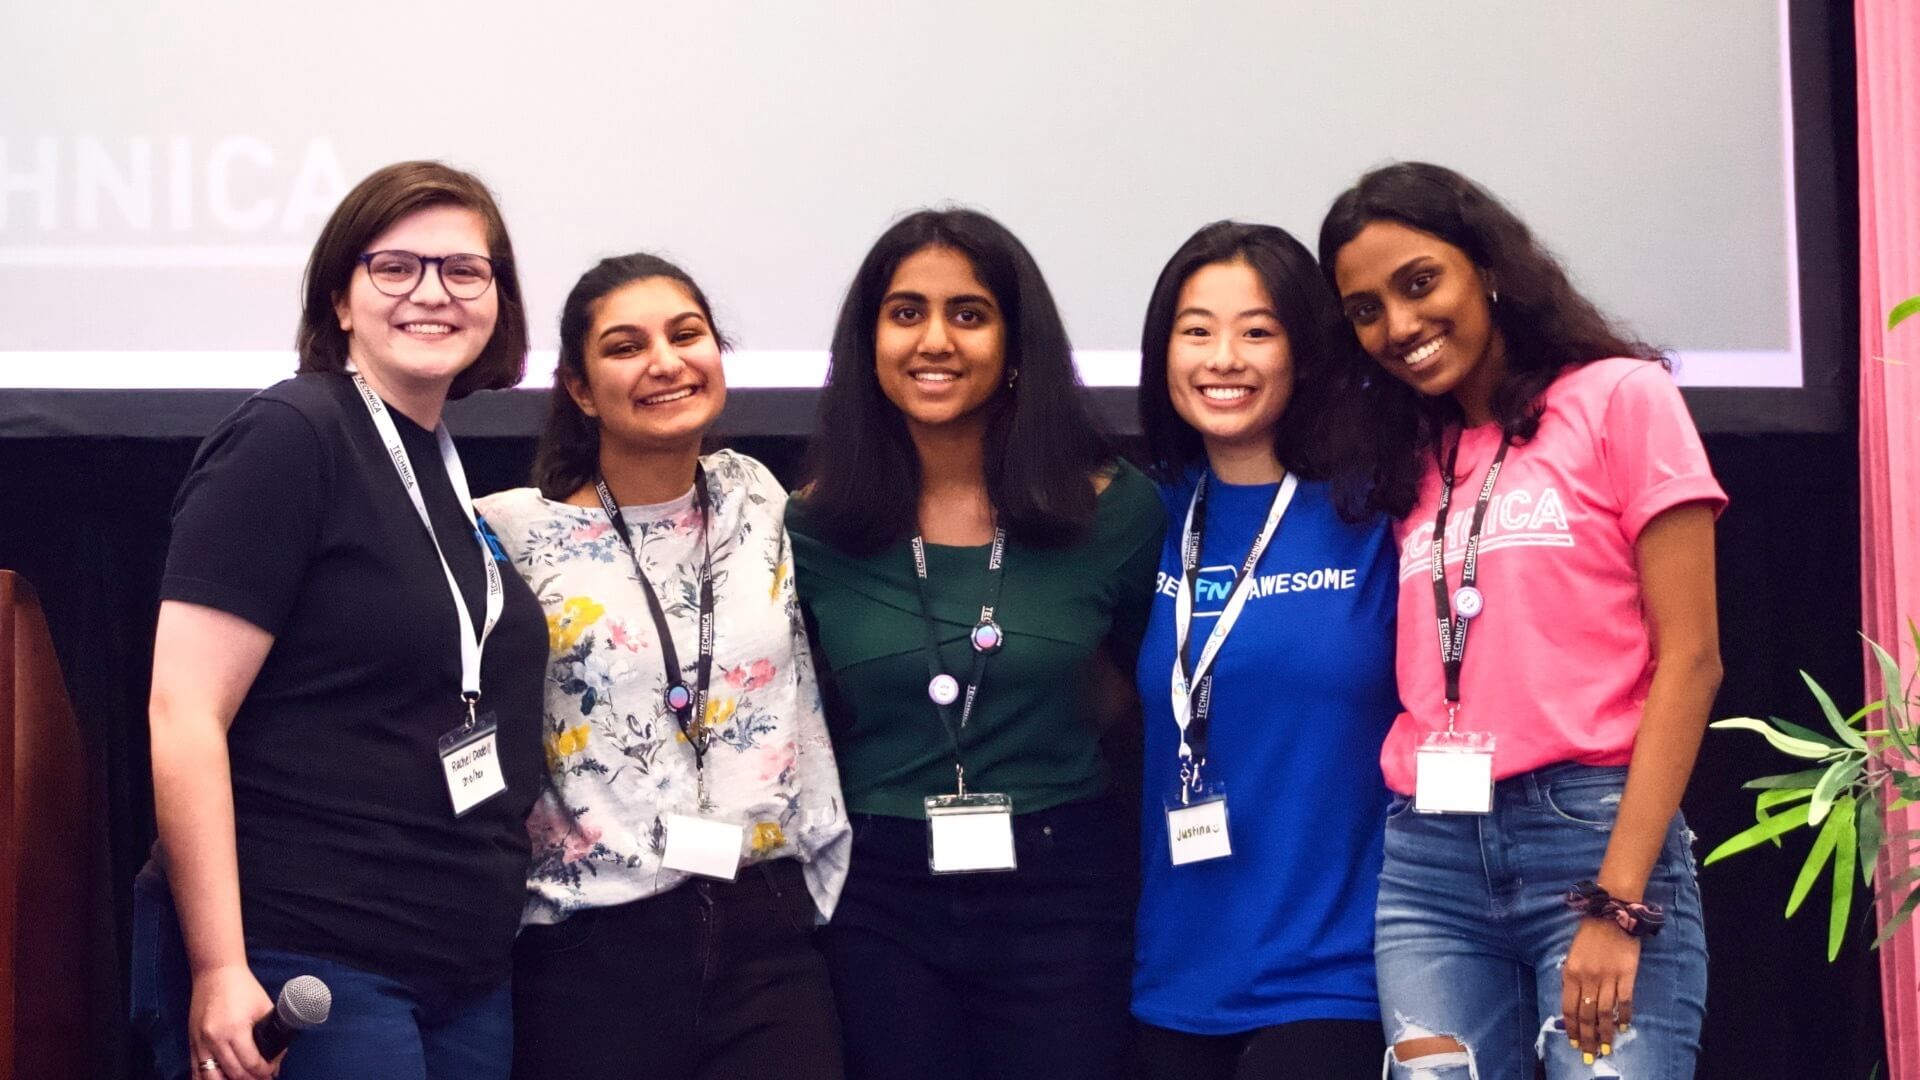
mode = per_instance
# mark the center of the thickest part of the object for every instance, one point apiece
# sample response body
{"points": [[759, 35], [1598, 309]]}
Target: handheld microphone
{"points": [[304, 1002]]}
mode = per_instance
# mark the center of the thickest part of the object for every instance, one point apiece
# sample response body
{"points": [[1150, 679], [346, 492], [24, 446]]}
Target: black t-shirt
{"points": [[294, 519]]}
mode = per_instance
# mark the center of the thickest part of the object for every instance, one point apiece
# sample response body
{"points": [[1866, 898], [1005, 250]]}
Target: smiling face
{"points": [[1420, 307], [1229, 367], [654, 376], [940, 343], [419, 342]]}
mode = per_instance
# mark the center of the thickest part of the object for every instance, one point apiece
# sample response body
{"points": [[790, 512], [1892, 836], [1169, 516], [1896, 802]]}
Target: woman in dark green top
{"points": [[978, 567]]}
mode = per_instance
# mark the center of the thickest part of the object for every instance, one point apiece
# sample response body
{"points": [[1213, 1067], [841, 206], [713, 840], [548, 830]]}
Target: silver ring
{"points": [[1586, 1001], [208, 1066]]}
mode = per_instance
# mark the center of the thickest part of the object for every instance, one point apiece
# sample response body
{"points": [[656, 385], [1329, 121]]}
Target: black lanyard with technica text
{"points": [[985, 638], [688, 704], [1467, 601]]}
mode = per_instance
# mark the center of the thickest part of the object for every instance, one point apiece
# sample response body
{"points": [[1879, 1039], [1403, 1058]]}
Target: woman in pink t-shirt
{"points": [[1538, 898]]}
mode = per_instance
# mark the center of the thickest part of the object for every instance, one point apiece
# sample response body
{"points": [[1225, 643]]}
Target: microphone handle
{"points": [[271, 1035]]}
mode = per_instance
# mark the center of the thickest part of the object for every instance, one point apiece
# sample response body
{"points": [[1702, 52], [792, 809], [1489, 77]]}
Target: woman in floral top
{"points": [[690, 835]]}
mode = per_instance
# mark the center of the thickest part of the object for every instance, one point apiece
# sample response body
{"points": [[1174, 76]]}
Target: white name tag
{"points": [[1453, 774], [1197, 832], [470, 757], [969, 833], [703, 846]]}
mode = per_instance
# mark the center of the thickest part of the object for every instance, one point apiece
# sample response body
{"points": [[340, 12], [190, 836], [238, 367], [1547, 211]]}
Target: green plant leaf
{"points": [[1786, 744], [1768, 800], [1759, 834], [1823, 845], [1902, 311], [1894, 701], [1872, 834], [1843, 886], [1805, 778], [1806, 733], [1900, 915], [1906, 783], [1826, 793], [1839, 724]]}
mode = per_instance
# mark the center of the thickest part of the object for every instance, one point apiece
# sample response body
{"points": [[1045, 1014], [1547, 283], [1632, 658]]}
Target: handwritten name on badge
{"points": [[1198, 833], [473, 772]]}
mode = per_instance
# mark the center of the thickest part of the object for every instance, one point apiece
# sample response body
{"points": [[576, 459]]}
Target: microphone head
{"points": [[304, 1002]]}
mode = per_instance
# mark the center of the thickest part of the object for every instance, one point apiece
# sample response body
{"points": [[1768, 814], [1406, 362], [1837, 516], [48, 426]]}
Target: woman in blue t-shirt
{"points": [[1263, 803]]}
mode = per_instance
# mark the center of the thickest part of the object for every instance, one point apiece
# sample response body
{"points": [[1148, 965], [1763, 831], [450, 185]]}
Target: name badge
{"points": [[703, 846], [969, 834], [1197, 829], [1453, 773], [470, 756]]}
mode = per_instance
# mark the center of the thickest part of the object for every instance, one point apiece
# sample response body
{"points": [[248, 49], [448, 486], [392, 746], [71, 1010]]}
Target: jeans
{"points": [[995, 976], [1473, 927], [379, 1027], [711, 980], [1302, 1050]]}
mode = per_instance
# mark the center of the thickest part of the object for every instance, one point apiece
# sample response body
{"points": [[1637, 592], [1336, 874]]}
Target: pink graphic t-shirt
{"points": [[1558, 664]]}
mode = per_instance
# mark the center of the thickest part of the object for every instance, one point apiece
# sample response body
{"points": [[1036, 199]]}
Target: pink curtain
{"points": [[1887, 37]]}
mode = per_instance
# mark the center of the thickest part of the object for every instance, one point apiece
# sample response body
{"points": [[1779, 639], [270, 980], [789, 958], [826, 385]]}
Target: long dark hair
{"points": [[1041, 446], [1322, 350], [371, 208], [568, 455], [1546, 324]]}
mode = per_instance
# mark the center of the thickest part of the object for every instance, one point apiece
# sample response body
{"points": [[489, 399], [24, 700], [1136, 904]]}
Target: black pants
{"points": [[997, 976], [1303, 1050], [711, 981]]}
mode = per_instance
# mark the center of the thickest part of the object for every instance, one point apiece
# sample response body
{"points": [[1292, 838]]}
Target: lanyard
{"points": [[986, 638], [471, 644], [688, 704], [1467, 600], [1193, 681]]}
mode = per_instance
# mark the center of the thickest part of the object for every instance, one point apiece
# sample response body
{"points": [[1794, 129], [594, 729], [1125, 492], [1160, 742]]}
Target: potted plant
{"points": [[1868, 766]]}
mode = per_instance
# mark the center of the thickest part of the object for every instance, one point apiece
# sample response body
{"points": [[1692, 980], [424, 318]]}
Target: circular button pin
{"points": [[988, 637], [679, 697], [944, 689], [1468, 602]]}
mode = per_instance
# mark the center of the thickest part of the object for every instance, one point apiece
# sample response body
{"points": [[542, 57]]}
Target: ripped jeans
{"points": [[1473, 927]]}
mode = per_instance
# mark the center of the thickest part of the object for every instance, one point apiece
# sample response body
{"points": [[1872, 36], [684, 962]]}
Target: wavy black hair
{"points": [[1042, 446], [1546, 324], [568, 455], [1322, 349]]}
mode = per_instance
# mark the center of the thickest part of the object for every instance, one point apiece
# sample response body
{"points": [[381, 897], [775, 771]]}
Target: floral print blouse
{"points": [[617, 763]]}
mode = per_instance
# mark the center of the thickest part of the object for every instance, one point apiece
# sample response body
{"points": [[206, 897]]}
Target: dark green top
{"points": [[1033, 735]]}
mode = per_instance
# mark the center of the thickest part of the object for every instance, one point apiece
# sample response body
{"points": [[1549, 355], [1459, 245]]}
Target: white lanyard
{"points": [[471, 645], [1183, 601]]}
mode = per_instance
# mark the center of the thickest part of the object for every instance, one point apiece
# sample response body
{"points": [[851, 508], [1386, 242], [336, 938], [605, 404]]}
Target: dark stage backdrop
{"points": [[86, 522]]}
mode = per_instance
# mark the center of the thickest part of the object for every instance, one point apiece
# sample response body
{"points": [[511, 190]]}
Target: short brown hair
{"points": [[371, 208]]}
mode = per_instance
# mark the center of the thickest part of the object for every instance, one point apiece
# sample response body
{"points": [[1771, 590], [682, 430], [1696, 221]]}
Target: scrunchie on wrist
{"points": [[1634, 918]]}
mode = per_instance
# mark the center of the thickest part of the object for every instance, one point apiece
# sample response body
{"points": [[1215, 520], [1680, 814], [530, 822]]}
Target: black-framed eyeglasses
{"points": [[398, 273]]}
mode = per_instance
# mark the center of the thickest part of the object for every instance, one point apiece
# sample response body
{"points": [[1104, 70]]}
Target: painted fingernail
{"points": [[1605, 1049], [1574, 1041], [1588, 1058]]}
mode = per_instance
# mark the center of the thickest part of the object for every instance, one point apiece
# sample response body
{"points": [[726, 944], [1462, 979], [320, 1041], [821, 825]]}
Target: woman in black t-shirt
{"points": [[346, 684]]}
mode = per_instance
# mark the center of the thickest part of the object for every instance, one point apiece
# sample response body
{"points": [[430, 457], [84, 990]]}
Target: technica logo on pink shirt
{"points": [[1518, 518]]}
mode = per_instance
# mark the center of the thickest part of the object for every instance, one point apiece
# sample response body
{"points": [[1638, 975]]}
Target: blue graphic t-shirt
{"points": [[1303, 694]]}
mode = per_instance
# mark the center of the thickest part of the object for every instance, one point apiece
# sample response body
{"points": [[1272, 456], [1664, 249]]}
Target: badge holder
{"points": [[1197, 823], [969, 834], [704, 846], [1453, 772], [470, 757]]}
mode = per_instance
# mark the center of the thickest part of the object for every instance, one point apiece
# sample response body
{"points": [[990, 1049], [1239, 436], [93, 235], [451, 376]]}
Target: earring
{"points": [[1493, 296], [1013, 377]]}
